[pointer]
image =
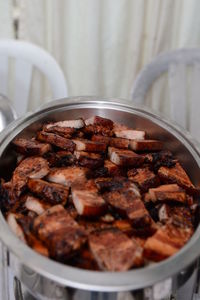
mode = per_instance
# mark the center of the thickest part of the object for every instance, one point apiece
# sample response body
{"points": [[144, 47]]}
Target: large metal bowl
{"points": [[47, 278]]}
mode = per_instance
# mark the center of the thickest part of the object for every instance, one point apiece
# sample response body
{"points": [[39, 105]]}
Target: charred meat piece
{"points": [[56, 140], [166, 242], [112, 169], [114, 251], [145, 145], [162, 158], [67, 176], [36, 205], [90, 225], [122, 131], [59, 232], [168, 193], [89, 146], [8, 198], [99, 125], [84, 260], [144, 178], [77, 124], [52, 193], [177, 174], [87, 202], [115, 184], [101, 139], [113, 142], [124, 157], [66, 132], [89, 160], [60, 158], [31, 167], [95, 173], [30, 146], [15, 227], [125, 226]]}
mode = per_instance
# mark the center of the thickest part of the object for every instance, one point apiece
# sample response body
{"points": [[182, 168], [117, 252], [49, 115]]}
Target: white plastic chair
{"points": [[27, 56], [175, 63]]}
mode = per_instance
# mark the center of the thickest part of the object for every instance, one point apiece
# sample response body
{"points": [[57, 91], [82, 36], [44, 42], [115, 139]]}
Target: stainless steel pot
{"points": [[47, 279]]}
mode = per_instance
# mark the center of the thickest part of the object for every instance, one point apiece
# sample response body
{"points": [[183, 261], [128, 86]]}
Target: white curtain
{"points": [[101, 45]]}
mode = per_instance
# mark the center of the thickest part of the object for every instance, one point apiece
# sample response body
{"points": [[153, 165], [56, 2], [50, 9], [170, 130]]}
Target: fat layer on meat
{"points": [[66, 132], [89, 146], [30, 146], [99, 125], [111, 141], [145, 145], [52, 193], [122, 131], [67, 176], [56, 140], [114, 251], [60, 232], [15, 227], [168, 193], [77, 124], [36, 205], [166, 242], [124, 157], [144, 178], [31, 167]]}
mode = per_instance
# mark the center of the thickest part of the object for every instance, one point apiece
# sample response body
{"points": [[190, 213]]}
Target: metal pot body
{"points": [[47, 279]]}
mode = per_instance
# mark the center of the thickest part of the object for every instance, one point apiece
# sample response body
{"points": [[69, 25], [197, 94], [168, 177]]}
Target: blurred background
{"points": [[101, 45]]}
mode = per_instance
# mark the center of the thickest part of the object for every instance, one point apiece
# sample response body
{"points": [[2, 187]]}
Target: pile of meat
{"points": [[98, 195]]}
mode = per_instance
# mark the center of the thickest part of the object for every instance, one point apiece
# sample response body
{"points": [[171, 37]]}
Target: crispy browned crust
{"points": [[30, 146], [89, 160], [66, 132], [124, 157], [53, 193], [144, 178], [146, 145], [56, 140], [89, 146]]}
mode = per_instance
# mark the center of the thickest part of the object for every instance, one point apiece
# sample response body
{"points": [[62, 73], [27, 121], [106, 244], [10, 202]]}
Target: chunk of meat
{"points": [[31, 167], [15, 227], [145, 145], [166, 242], [60, 232], [66, 132], [67, 176], [84, 260], [30, 146], [125, 226], [60, 158], [36, 205], [114, 251], [168, 193], [112, 169], [99, 125], [158, 159], [176, 174], [124, 157], [77, 124], [122, 131], [113, 142], [144, 178], [89, 146], [52, 193], [56, 140], [116, 184], [89, 160], [87, 202]]}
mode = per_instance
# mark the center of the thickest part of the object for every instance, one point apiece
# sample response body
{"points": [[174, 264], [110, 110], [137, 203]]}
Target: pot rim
{"points": [[95, 280]]}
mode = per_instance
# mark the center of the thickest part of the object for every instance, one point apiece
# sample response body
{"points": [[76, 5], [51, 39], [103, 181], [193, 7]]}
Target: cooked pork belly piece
{"points": [[15, 227], [84, 260], [116, 184], [145, 145], [89, 146], [176, 174], [30, 146], [77, 124], [36, 205], [158, 159], [114, 251], [90, 225], [168, 193], [164, 213], [60, 158], [66, 132], [124, 157], [112, 169], [67, 176], [60, 232], [56, 140], [99, 125], [113, 142], [52, 193], [122, 131], [144, 178], [31, 167], [87, 202], [166, 242], [89, 160]]}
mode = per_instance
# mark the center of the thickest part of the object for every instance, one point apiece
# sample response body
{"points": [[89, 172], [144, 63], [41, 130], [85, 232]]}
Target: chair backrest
{"points": [[27, 56], [175, 63]]}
